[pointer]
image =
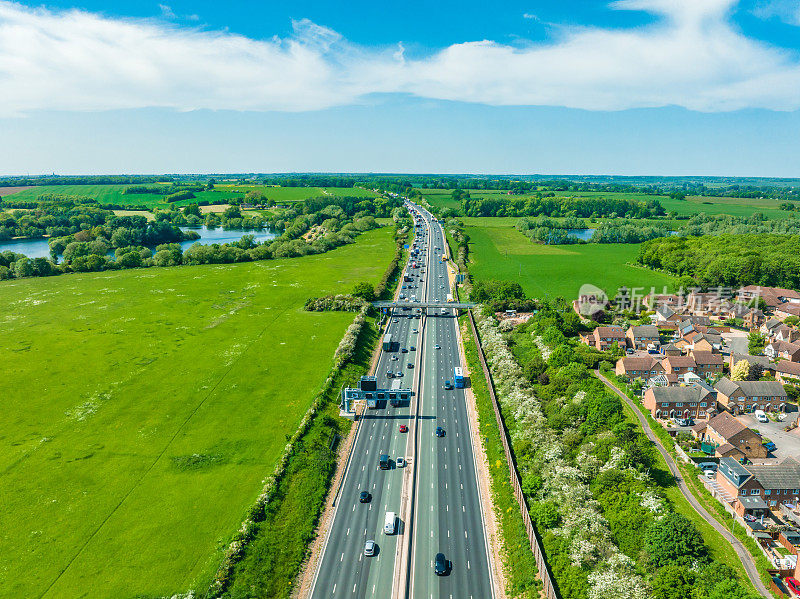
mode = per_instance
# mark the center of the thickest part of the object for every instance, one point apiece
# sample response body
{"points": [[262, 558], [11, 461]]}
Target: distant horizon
{"points": [[507, 175]]}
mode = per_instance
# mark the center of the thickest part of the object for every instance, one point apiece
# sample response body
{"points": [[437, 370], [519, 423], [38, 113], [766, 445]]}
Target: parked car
{"points": [[770, 446], [792, 583], [684, 421], [708, 466]]}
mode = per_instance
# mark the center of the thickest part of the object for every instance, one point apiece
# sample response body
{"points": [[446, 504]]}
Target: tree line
{"points": [[728, 260]]}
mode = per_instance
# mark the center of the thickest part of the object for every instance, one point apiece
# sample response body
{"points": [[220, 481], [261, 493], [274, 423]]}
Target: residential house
{"points": [[640, 336], [785, 333], [731, 437], [753, 318], [654, 301], [772, 296], [739, 397], [665, 314], [635, 367], [707, 341], [784, 350], [602, 338], [787, 309], [755, 488], [680, 402], [763, 360], [787, 372], [670, 349], [679, 364], [703, 303], [771, 326], [708, 364]]}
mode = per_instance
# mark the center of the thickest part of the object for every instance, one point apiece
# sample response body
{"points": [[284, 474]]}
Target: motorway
{"points": [[446, 512]]}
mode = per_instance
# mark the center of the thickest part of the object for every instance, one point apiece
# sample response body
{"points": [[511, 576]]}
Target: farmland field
{"points": [[143, 408], [114, 194], [552, 270], [689, 207]]}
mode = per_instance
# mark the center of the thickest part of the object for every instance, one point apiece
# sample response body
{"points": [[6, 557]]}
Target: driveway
{"points": [[788, 443]]}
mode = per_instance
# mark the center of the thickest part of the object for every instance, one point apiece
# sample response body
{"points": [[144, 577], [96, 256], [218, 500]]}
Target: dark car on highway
{"points": [[439, 432], [364, 497], [440, 565]]}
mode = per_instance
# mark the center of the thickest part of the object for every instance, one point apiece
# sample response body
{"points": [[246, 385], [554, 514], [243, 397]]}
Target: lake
{"points": [[38, 248]]}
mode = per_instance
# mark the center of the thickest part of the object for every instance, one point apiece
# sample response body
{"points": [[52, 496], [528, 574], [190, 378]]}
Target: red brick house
{"points": [[602, 338], [755, 488], [731, 437], [708, 364], [634, 367], [679, 364], [679, 402], [740, 397], [782, 349]]}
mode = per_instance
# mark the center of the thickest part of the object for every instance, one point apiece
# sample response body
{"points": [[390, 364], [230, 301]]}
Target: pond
{"points": [[38, 248], [586, 234]]}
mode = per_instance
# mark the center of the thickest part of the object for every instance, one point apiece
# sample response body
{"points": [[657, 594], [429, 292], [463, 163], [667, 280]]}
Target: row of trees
{"points": [[728, 260], [562, 206], [590, 477]]}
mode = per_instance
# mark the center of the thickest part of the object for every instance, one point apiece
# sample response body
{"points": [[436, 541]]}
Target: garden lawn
{"points": [[143, 408], [548, 271]]}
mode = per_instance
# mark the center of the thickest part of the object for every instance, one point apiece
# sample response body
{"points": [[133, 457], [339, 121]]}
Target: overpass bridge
{"points": [[457, 305]]}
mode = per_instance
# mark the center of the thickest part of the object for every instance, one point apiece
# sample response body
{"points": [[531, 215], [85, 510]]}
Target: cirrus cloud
{"points": [[691, 56]]}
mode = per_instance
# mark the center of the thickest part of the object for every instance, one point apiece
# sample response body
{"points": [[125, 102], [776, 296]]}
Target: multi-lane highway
{"points": [[436, 495]]}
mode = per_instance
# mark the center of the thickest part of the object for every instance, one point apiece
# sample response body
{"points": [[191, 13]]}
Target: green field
{"points": [[689, 207], [142, 409], [114, 194], [548, 271]]}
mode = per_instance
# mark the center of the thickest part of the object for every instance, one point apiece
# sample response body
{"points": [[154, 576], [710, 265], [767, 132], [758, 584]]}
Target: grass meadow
{"points": [[547, 271], [142, 410], [115, 194], [689, 207]]}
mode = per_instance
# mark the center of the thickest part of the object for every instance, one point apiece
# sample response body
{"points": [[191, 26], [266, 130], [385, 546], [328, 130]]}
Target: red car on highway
{"points": [[403, 428]]}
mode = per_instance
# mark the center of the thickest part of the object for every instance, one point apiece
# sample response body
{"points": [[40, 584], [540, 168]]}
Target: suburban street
{"points": [[446, 514]]}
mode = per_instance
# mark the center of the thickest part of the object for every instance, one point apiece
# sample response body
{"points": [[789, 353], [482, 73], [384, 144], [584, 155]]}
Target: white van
{"points": [[761, 416], [388, 525]]}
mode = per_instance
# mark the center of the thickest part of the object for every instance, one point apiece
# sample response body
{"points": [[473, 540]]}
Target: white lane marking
{"points": [[341, 559], [334, 589], [348, 531]]}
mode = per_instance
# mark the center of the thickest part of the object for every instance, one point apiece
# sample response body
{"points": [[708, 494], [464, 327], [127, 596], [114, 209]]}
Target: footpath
{"points": [[744, 555]]}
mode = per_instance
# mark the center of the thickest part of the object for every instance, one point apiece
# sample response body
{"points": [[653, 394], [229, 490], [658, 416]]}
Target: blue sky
{"points": [[630, 87]]}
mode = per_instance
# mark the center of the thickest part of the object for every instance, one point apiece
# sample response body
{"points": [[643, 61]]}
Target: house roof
{"points": [[784, 475], [726, 386], [773, 323], [726, 448], [706, 357], [730, 467], [784, 346], [751, 388], [685, 394], [787, 367], [680, 361], [644, 330], [763, 360], [665, 311], [726, 425], [668, 347], [612, 331], [639, 363]]}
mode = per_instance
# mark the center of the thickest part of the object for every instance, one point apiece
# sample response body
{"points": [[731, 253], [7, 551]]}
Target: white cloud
{"points": [[787, 11], [692, 57]]}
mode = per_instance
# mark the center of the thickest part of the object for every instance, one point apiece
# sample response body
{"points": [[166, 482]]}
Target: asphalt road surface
{"points": [[447, 514]]}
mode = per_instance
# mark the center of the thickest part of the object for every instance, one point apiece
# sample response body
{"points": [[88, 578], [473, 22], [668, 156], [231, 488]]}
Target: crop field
{"points": [[690, 206], [548, 271], [114, 194], [142, 409], [296, 194]]}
